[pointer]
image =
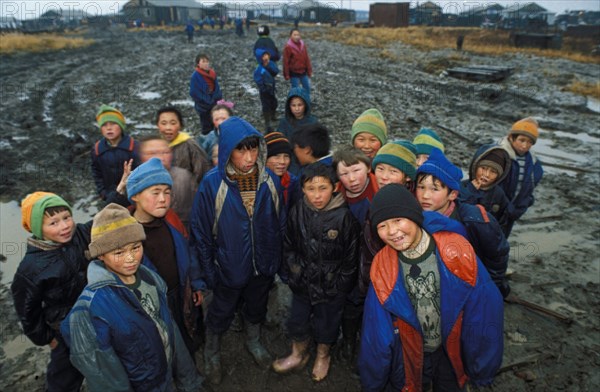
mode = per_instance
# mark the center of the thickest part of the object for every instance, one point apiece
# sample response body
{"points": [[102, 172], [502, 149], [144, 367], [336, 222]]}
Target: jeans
{"points": [[304, 80]]}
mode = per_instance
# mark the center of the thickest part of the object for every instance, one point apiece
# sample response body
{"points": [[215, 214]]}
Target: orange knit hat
{"points": [[527, 126], [33, 207]]}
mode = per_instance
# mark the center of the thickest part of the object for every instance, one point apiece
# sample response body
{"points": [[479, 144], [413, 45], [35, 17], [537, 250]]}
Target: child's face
{"points": [[367, 143], [218, 116], [244, 159], [58, 228], [318, 191], [279, 163], [152, 202], [297, 107], [421, 159], [303, 154], [124, 261], [204, 64], [486, 175], [266, 57], [521, 144], [296, 36], [400, 233], [354, 177], [388, 174], [157, 149], [111, 131], [433, 195], [169, 126]]}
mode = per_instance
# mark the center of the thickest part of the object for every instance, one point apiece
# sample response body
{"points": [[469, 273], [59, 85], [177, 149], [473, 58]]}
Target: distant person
{"points": [[264, 77], [239, 27], [297, 67], [369, 132], [247, 21], [426, 140], [49, 279], [459, 42], [266, 43], [204, 90], [189, 30]]}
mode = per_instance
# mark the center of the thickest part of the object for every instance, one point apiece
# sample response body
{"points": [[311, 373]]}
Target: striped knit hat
{"points": [[527, 126], [400, 154], [33, 207], [277, 143], [113, 228], [427, 139], [370, 121], [108, 113]]}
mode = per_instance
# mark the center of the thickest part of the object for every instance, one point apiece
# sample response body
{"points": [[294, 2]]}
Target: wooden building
{"points": [[158, 12], [389, 14]]}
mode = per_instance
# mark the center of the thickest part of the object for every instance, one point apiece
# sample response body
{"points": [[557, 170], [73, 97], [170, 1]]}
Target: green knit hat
{"points": [[370, 121], [427, 139], [108, 113], [33, 207], [400, 154]]}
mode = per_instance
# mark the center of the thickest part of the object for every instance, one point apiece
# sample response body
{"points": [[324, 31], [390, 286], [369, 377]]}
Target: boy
{"points": [[438, 184], [432, 314], [49, 279], [264, 42], [311, 143], [120, 331], [369, 132], [526, 171], [264, 76], [321, 255], [424, 141], [237, 227], [204, 90], [111, 152], [279, 154], [396, 163]]}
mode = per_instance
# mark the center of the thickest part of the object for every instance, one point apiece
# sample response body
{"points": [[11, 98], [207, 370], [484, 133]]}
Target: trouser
{"points": [[61, 375], [176, 307], [205, 120], [438, 371], [323, 326], [301, 79]]}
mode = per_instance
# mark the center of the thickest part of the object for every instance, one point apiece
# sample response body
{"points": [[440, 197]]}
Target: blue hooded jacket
{"points": [[288, 124]]}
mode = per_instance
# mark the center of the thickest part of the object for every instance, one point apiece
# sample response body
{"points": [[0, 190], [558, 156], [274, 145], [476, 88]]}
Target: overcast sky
{"points": [[26, 9]]}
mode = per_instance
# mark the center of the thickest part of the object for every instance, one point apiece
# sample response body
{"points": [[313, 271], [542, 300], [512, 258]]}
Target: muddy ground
{"points": [[48, 103]]}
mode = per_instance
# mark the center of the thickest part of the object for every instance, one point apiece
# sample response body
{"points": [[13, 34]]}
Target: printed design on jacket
{"points": [[425, 294]]}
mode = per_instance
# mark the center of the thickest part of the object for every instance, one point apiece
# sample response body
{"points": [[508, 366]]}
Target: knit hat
{"points": [[527, 126], [400, 154], [112, 228], [149, 173], [263, 30], [277, 143], [108, 113], [427, 139], [495, 159], [370, 121], [440, 167], [33, 207], [395, 201]]}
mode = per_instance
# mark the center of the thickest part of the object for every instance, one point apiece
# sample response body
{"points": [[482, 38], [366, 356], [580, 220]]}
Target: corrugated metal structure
{"points": [[389, 14]]}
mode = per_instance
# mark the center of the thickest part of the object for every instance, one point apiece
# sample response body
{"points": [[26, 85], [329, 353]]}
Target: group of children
{"points": [[381, 240]]}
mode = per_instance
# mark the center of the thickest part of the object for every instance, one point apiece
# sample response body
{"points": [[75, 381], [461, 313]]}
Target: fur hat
{"points": [[149, 173], [495, 159], [427, 139], [112, 228], [395, 201], [108, 113], [370, 121], [527, 126], [277, 143], [400, 154], [440, 167], [33, 207]]}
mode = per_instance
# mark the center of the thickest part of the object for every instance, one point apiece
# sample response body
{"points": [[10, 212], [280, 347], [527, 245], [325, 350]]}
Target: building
{"points": [[486, 15], [526, 16], [159, 12], [428, 13], [389, 14]]}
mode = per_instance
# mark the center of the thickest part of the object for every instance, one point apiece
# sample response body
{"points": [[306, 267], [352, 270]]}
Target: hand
{"points": [[476, 183], [53, 344], [126, 172], [197, 298]]}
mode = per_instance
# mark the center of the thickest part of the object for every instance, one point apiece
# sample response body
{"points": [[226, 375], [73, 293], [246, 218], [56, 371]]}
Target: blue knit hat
{"points": [[149, 173], [400, 154], [427, 139], [440, 167]]}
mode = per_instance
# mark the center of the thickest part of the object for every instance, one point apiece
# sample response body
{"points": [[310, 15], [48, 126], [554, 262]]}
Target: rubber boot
{"points": [[349, 331], [297, 360], [259, 353], [267, 118], [322, 362], [237, 324], [212, 357]]}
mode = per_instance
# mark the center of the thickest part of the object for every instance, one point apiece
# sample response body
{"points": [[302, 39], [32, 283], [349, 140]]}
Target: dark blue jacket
{"points": [[203, 100], [265, 43], [107, 164], [265, 76], [230, 245]]}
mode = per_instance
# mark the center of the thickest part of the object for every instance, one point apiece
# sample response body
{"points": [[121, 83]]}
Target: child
{"points": [[149, 189], [264, 76], [321, 254], [210, 142], [296, 63], [111, 152], [526, 171], [49, 279], [432, 314], [396, 163], [120, 331], [424, 141], [204, 90], [438, 184], [369, 132], [264, 42], [237, 227], [187, 154], [311, 143], [279, 155]]}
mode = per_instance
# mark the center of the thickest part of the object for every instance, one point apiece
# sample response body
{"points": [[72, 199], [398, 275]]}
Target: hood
{"points": [[231, 132], [337, 200], [297, 92], [258, 53], [434, 221], [484, 150], [98, 276]]}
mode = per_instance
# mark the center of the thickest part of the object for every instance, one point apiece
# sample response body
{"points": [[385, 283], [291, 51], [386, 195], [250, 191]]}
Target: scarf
{"points": [[209, 77], [298, 47]]}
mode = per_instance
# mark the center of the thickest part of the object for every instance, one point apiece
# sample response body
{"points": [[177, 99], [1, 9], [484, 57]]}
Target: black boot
{"points": [[212, 357], [255, 347], [349, 332]]}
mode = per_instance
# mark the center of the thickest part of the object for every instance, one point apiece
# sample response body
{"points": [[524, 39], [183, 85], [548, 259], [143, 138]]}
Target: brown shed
{"points": [[389, 14]]}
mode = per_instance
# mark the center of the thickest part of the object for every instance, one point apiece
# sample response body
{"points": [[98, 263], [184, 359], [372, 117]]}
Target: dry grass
{"points": [[15, 42], [587, 89]]}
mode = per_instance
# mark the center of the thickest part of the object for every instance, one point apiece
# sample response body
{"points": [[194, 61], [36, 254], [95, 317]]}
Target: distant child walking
{"points": [[297, 67], [204, 90], [264, 76]]}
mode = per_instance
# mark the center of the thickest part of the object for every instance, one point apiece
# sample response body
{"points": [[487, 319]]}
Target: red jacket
{"points": [[296, 60]]}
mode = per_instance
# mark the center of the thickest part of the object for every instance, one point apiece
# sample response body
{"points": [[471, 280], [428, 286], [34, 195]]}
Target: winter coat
{"points": [[107, 164], [295, 60], [182, 192], [391, 351], [117, 346], [265, 77], [203, 99], [264, 43], [360, 205], [321, 250], [292, 192], [188, 155], [47, 284], [230, 245], [370, 244], [288, 124]]}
